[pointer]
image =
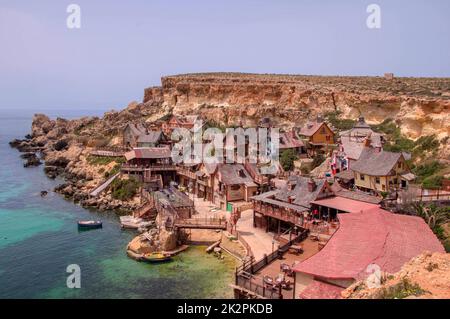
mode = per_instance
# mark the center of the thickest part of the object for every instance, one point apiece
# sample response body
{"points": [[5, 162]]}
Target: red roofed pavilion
{"points": [[374, 236]]}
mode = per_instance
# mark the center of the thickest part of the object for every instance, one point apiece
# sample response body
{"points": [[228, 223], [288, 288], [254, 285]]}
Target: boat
{"points": [[89, 224], [156, 257], [130, 222]]}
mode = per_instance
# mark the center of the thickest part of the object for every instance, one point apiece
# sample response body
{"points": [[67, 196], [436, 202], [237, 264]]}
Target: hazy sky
{"points": [[125, 46]]}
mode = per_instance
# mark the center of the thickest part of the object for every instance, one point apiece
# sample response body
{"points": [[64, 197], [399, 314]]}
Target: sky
{"points": [[123, 47]]}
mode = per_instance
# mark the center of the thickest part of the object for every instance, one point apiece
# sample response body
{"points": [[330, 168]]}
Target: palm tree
{"points": [[433, 215]]}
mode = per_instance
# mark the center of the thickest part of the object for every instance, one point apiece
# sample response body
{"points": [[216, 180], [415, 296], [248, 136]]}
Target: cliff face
{"points": [[419, 105]]}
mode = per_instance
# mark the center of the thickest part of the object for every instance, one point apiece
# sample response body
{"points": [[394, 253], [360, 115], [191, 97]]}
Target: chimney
{"points": [[319, 119], [291, 185], [311, 185], [367, 141]]}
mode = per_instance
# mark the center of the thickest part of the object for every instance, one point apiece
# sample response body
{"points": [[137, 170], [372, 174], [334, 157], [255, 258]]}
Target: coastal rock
{"points": [[428, 274], [32, 160], [63, 158], [41, 125], [51, 171], [167, 239], [15, 143], [28, 155]]}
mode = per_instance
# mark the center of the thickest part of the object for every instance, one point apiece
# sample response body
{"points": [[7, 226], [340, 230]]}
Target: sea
{"points": [[39, 239]]}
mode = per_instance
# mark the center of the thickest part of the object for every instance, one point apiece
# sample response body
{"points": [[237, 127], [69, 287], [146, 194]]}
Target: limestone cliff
{"points": [[419, 105]]}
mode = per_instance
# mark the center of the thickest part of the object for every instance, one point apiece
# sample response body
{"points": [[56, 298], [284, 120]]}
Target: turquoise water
{"points": [[39, 239]]}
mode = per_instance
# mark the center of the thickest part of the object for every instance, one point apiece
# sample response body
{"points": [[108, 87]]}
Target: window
{"points": [[395, 181], [361, 177], [235, 187], [323, 130], [377, 180]]}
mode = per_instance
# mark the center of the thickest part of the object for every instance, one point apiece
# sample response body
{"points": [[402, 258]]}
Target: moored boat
{"points": [[156, 257], [89, 224]]}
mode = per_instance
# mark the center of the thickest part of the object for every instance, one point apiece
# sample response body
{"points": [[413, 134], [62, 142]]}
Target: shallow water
{"points": [[39, 239]]}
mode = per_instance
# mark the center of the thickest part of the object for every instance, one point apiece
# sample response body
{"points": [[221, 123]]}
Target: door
{"points": [[229, 207]]}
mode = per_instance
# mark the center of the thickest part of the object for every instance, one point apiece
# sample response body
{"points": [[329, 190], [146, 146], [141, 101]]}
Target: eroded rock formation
{"points": [[419, 105]]}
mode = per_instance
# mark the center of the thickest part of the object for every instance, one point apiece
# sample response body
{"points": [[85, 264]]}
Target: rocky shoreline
{"points": [[63, 146]]}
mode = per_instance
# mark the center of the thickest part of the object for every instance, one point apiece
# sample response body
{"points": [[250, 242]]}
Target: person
{"points": [[316, 213]]}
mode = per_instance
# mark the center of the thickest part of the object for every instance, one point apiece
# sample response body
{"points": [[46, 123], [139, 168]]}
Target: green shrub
{"points": [[447, 246], [427, 169], [434, 181], [317, 160], [124, 189], [103, 160], [404, 289], [334, 118], [387, 127], [114, 171], [287, 159]]}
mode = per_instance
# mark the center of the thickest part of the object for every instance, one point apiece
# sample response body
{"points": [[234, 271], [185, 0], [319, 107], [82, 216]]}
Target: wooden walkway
{"points": [[103, 186], [107, 153], [201, 223]]}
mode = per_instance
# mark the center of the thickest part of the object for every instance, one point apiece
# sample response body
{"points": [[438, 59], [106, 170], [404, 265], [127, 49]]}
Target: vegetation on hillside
{"points": [[104, 160], [402, 290], [436, 218], [423, 163], [287, 158], [125, 189], [113, 171], [339, 123]]}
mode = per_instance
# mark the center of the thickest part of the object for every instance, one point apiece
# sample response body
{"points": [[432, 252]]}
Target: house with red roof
{"points": [[366, 240], [178, 121], [150, 165], [318, 133]]}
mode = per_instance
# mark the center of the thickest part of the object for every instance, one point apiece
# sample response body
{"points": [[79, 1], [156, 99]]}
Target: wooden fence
{"points": [[244, 274]]}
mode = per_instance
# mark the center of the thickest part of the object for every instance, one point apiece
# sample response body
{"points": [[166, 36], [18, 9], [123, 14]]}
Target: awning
{"points": [[344, 204], [408, 176]]}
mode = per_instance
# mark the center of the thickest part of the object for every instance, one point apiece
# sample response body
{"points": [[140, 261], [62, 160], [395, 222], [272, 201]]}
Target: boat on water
{"points": [[89, 224], [156, 257], [130, 222]]}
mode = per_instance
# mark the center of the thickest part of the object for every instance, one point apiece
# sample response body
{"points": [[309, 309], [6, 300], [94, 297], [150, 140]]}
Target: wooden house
{"points": [[281, 209], [232, 183], [379, 171]]}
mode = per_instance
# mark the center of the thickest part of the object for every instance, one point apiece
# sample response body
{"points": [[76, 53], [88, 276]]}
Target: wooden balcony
{"points": [[187, 173], [278, 213]]}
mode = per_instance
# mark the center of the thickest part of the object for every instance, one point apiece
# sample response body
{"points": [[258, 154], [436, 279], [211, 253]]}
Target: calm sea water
{"points": [[39, 239]]}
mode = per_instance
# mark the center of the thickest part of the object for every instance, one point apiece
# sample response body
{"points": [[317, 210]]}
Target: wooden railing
{"points": [[186, 172], [244, 274], [278, 213], [247, 282], [155, 167], [201, 223]]}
